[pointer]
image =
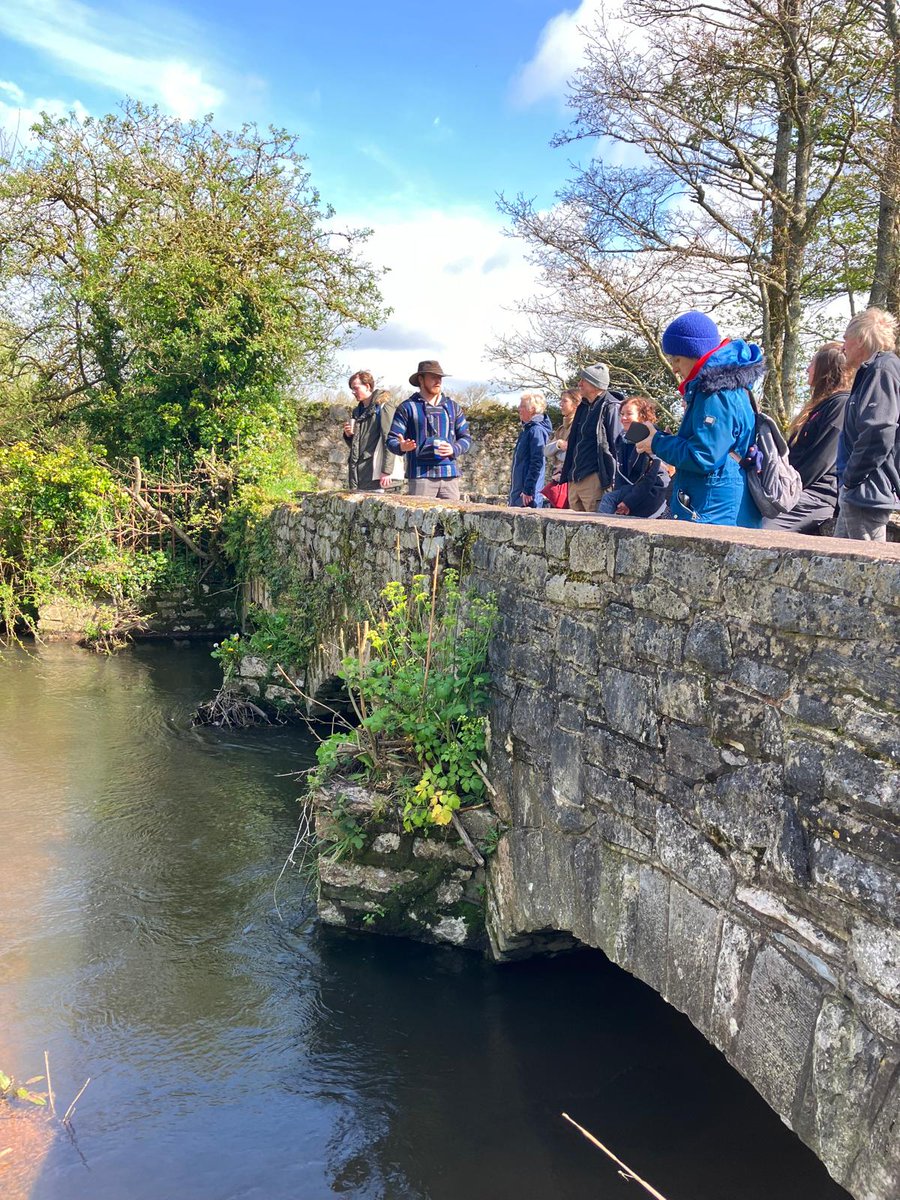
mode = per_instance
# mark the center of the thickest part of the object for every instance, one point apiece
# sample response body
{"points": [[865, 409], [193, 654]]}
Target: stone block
{"points": [[576, 641], [761, 677], [871, 670], [776, 1034], [253, 667], [616, 831], [853, 879], [556, 539], [875, 1175], [875, 955], [708, 644], [592, 551], [432, 850], [693, 571], [386, 843], [845, 1063], [682, 697], [349, 880], [632, 556], [655, 641], [574, 594], [750, 726], [804, 768], [528, 530], [874, 728], [735, 957], [628, 760], [660, 600], [857, 779], [691, 858], [629, 705], [691, 958], [690, 754], [651, 941]]}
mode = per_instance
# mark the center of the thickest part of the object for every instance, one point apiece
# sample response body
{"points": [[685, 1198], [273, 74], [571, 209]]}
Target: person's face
{"points": [[680, 365], [429, 384], [810, 372], [628, 413], [567, 406], [588, 390], [855, 350], [526, 412], [361, 391]]}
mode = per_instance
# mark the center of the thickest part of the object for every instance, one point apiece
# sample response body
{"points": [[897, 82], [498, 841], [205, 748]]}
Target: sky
{"points": [[414, 117]]}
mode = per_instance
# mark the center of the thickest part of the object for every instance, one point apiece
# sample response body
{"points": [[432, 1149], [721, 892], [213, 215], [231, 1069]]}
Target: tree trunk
{"points": [[885, 291]]}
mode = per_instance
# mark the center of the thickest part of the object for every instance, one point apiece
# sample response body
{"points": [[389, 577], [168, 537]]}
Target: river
{"points": [[237, 1050]]}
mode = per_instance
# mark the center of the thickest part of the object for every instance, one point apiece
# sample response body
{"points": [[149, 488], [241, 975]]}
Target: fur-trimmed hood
{"points": [[737, 364]]}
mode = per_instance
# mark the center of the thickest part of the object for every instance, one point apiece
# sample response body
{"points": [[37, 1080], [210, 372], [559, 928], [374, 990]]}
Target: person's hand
{"points": [[562, 444], [622, 510], [348, 429], [385, 481], [443, 449], [645, 447], [407, 444], [526, 500]]}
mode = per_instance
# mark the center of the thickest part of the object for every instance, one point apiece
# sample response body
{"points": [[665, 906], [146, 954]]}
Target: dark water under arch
{"points": [[235, 1055]]}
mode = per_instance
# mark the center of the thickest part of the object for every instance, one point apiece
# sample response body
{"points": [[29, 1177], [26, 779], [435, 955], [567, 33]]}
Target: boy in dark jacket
{"points": [[869, 449], [529, 462], [369, 464]]}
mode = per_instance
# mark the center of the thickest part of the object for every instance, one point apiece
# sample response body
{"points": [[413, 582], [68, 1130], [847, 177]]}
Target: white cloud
{"points": [[558, 56], [453, 274], [12, 90], [17, 119], [144, 56]]}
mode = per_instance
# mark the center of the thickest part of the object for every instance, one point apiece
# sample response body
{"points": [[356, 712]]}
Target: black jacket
{"points": [[644, 479], [609, 435], [869, 454], [813, 449]]}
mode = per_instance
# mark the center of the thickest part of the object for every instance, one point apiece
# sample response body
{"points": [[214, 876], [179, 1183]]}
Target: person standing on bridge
{"points": [[369, 467], [590, 464], [432, 431]]}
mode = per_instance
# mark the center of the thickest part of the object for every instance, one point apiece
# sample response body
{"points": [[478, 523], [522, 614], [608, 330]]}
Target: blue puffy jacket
{"points": [[709, 485], [529, 462]]}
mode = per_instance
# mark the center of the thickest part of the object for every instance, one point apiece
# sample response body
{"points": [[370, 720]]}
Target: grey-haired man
{"points": [[590, 465]]}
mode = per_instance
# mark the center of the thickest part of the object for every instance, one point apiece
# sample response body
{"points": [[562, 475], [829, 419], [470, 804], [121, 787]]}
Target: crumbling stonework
{"points": [[695, 745]]}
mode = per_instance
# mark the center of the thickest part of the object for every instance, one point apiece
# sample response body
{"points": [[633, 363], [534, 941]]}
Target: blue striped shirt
{"points": [[429, 423]]}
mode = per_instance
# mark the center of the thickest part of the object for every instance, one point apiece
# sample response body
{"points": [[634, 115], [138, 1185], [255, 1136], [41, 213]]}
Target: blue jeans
{"points": [[607, 505]]}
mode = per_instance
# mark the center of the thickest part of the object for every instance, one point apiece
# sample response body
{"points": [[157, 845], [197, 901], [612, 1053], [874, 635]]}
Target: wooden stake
{"points": [[624, 1168], [50, 1095]]}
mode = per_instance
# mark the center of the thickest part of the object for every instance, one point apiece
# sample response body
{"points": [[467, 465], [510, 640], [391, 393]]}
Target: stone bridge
{"points": [[695, 745]]}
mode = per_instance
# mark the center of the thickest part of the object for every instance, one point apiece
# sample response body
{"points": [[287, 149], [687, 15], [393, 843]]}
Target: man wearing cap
{"points": [[590, 465], [431, 430]]}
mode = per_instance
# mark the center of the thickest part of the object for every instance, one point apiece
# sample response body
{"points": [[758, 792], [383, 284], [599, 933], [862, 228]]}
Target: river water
{"points": [[236, 1053]]}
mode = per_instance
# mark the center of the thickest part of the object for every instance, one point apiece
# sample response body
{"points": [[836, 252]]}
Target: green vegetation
{"points": [[164, 288], [11, 1090], [418, 682]]}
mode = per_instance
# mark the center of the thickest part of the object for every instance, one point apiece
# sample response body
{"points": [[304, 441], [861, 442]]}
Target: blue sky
{"points": [[414, 117]]}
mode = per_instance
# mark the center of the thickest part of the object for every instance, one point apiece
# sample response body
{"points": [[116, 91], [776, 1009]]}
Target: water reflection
{"points": [[237, 1055]]}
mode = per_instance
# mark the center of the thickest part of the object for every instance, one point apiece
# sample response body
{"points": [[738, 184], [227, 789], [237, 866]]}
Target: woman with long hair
{"points": [[813, 441]]}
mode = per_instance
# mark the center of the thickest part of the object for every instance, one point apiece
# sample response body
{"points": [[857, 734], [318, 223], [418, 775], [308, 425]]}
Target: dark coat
{"points": [[602, 421], [642, 482], [372, 424], [869, 454], [813, 448], [529, 463]]}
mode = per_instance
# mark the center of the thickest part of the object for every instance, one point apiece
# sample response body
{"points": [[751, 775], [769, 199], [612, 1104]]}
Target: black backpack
{"points": [[774, 484]]}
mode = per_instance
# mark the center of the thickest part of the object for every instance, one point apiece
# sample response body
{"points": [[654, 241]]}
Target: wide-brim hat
{"points": [[428, 366]]}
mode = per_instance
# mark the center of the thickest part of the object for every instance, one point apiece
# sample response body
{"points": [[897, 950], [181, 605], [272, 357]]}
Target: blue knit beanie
{"points": [[691, 335]]}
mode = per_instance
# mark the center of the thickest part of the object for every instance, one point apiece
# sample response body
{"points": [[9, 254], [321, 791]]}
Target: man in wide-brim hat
{"points": [[432, 431]]}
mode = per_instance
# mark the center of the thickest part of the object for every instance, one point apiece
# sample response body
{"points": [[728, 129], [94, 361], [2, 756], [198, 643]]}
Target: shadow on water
{"points": [[234, 1055]]}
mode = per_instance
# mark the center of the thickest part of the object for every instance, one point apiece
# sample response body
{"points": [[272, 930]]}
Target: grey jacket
{"points": [[869, 450]]}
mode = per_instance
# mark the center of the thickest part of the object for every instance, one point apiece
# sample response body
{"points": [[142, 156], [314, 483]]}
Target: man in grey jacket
{"points": [[868, 463]]}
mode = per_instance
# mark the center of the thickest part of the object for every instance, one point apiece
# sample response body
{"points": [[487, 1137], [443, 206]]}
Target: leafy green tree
{"points": [[163, 283]]}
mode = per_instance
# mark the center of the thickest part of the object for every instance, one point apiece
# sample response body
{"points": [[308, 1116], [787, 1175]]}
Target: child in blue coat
{"points": [[718, 426]]}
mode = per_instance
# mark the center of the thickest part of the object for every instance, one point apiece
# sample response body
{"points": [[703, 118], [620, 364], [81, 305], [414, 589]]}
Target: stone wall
{"points": [[209, 610], [695, 744], [485, 470]]}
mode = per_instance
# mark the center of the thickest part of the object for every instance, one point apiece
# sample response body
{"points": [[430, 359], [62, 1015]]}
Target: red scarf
{"points": [[699, 363]]}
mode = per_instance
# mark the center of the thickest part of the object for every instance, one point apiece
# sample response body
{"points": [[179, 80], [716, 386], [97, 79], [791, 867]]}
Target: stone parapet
{"points": [[695, 746]]}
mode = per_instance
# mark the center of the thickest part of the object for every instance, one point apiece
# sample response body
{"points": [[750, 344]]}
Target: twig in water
{"points": [[71, 1107], [624, 1168], [50, 1095]]}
